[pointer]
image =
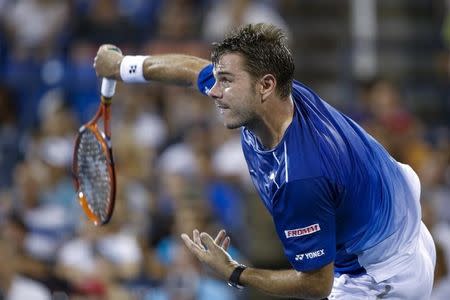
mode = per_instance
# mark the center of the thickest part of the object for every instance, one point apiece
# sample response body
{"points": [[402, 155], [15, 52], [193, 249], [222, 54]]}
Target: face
{"points": [[234, 92]]}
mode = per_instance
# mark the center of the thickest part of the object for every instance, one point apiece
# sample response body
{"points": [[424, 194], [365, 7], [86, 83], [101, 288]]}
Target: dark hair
{"points": [[264, 49]]}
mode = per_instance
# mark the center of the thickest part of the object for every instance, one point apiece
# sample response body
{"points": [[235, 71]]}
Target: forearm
{"points": [[289, 283], [174, 68], [177, 69], [315, 284]]}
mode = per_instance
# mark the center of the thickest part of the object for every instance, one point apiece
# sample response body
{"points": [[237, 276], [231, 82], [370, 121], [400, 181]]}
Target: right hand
{"points": [[107, 62], [212, 252]]}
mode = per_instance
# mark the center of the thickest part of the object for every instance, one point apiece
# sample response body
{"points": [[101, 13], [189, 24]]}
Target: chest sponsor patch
{"points": [[302, 231]]}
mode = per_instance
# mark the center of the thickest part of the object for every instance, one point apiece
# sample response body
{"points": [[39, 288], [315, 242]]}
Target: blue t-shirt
{"points": [[333, 191]]}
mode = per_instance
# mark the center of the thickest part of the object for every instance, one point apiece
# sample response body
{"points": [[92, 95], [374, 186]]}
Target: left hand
{"points": [[212, 252], [107, 62]]}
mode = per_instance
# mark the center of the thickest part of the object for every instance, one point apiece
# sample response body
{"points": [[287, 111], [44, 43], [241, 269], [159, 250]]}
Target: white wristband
{"points": [[132, 68]]}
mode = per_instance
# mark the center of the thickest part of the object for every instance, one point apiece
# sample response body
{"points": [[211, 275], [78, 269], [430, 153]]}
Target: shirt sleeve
{"points": [[304, 217], [206, 80]]}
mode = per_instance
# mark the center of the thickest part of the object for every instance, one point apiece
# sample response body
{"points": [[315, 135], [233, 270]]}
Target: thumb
{"points": [[207, 240]]}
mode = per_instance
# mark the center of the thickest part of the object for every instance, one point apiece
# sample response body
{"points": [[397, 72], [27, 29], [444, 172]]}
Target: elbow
{"points": [[322, 294], [319, 291], [322, 290], [319, 285], [317, 294]]}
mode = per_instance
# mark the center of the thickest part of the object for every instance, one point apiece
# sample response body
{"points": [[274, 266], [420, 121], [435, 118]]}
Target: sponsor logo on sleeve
{"points": [[310, 255], [302, 231]]}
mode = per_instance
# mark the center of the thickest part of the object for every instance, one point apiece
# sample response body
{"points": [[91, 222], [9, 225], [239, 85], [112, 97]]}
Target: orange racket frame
{"points": [[104, 138]]}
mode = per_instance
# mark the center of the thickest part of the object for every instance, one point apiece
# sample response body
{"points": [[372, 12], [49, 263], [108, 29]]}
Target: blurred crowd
{"points": [[178, 167]]}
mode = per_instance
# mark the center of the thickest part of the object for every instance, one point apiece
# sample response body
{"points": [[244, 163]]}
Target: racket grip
{"points": [[108, 87]]}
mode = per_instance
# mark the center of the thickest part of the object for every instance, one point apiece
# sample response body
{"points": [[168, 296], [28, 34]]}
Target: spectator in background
{"points": [[16, 232], [100, 260], [446, 27], [104, 16], [80, 81], [221, 16], [34, 48], [179, 19], [43, 29], [54, 146], [382, 112], [126, 21], [43, 190], [183, 277], [10, 151], [46, 222], [13, 285]]}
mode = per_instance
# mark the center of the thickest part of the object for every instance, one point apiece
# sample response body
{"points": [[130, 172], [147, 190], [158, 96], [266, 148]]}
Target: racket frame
{"points": [[104, 138]]}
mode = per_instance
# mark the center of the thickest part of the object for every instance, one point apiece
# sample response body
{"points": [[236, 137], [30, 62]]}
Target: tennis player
{"points": [[348, 215]]}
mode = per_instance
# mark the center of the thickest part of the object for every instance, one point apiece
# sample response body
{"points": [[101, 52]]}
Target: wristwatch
{"points": [[234, 278]]}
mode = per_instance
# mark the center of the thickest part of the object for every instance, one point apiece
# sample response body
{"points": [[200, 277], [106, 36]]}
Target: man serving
{"points": [[348, 215]]}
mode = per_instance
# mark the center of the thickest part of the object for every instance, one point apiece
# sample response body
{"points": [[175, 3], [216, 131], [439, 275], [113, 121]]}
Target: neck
{"points": [[273, 122]]}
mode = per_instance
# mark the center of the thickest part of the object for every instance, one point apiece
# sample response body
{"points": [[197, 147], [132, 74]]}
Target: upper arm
{"points": [[304, 217]]}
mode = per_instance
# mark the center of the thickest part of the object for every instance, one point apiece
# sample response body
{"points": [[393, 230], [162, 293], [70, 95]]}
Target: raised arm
{"points": [[176, 69]]}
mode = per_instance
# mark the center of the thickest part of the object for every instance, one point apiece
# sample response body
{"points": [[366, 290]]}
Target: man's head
{"points": [[251, 65], [263, 47]]}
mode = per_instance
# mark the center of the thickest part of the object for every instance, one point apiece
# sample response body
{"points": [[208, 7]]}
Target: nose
{"points": [[215, 92]]}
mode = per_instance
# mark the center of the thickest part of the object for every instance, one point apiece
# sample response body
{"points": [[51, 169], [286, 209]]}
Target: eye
{"points": [[225, 81]]}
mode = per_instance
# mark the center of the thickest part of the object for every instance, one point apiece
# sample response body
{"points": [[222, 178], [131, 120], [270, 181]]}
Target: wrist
{"points": [[117, 69], [235, 277], [131, 68], [230, 268]]}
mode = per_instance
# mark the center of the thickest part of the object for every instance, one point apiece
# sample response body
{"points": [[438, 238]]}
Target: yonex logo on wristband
{"points": [[132, 69]]}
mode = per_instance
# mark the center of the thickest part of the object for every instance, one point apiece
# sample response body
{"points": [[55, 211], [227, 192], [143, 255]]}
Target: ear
{"points": [[267, 85]]}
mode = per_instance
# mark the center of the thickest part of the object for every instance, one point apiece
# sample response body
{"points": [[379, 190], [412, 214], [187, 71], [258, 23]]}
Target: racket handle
{"points": [[108, 87]]}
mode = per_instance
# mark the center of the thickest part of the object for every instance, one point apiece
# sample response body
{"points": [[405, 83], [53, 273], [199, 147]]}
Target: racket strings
{"points": [[95, 181]]}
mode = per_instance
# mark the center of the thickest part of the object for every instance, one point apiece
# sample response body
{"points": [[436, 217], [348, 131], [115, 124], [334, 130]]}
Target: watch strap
{"points": [[235, 275]]}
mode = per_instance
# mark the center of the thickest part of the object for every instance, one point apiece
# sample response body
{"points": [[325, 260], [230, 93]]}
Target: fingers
{"points": [[192, 246], [204, 242], [220, 237], [196, 238], [223, 240], [208, 241], [226, 243]]}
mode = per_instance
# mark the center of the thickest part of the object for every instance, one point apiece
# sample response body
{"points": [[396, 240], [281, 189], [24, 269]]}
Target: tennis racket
{"points": [[93, 163]]}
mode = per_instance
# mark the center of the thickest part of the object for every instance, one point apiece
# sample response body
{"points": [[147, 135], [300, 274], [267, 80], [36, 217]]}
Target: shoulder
{"points": [[205, 79]]}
